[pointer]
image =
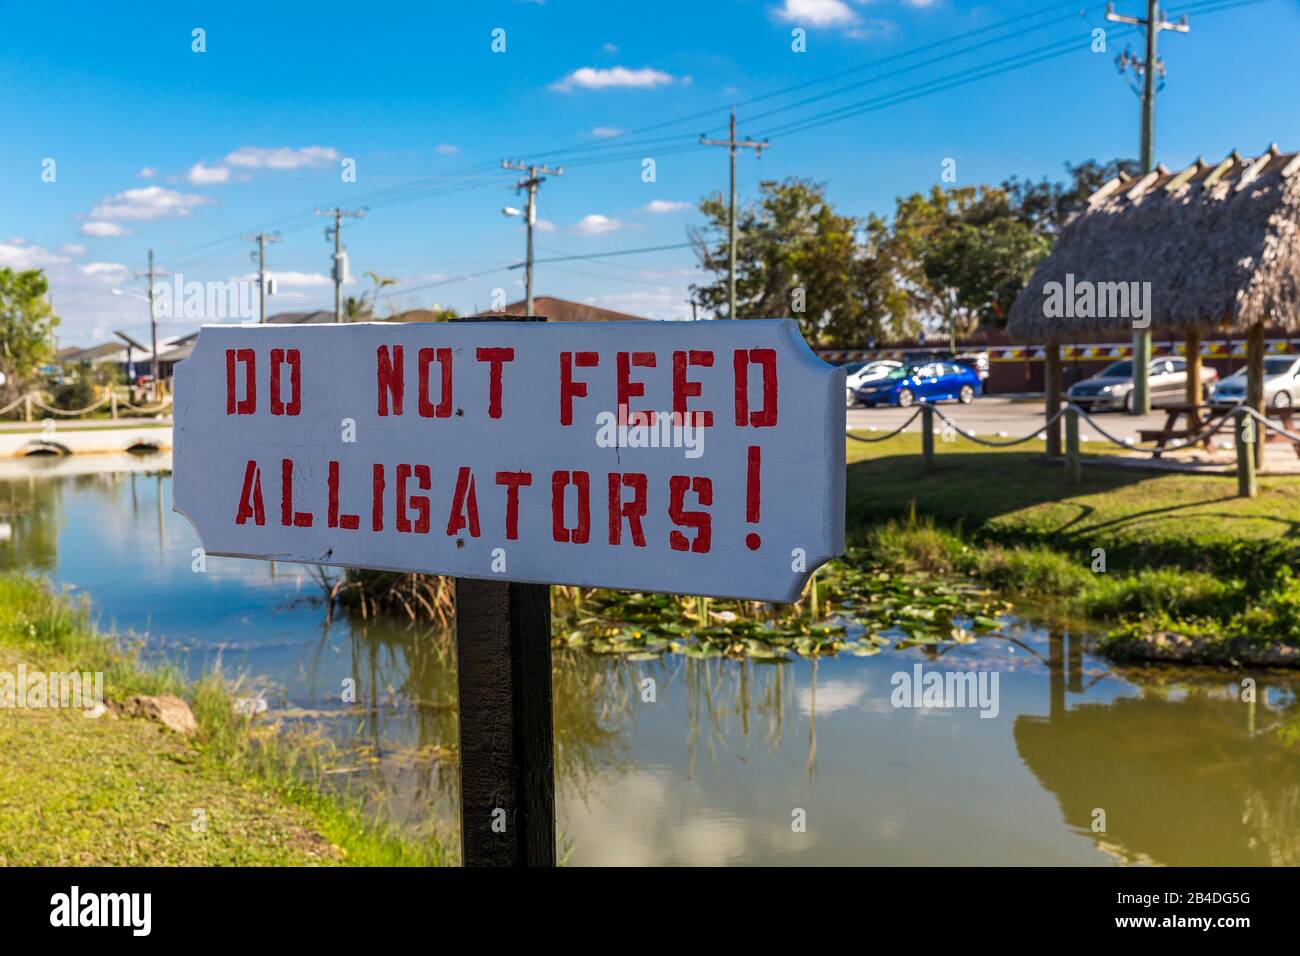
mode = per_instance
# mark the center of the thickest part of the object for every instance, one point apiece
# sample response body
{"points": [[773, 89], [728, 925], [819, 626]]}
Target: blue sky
{"points": [[159, 146]]}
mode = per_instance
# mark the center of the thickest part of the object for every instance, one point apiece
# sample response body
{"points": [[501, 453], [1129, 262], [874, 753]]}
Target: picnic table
{"points": [[1202, 420], [1201, 423]]}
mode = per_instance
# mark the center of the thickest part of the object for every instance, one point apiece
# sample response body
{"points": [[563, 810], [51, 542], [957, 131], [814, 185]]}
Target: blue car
{"points": [[922, 384]]}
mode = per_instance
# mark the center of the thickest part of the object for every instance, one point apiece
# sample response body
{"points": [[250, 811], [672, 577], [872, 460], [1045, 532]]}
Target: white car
{"points": [[861, 373], [1281, 384]]}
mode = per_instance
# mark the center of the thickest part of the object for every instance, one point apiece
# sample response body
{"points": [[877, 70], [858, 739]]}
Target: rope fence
{"points": [[1235, 418], [37, 400]]}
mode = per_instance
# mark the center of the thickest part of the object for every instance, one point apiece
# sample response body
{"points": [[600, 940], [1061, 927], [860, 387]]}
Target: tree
{"points": [[977, 272], [26, 329], [362, 307], [795, 256]]}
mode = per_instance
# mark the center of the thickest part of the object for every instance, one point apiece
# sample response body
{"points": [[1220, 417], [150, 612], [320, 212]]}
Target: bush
{"points": [[73, 396]]}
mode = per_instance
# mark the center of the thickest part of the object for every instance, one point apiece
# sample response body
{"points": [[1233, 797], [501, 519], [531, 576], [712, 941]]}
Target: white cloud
{"points": [[73, 249], [107, 271], [296, 279], [596, 225], [17, 254], [103, 229], [604, 132], [663, 302], [545, 225], [446, 149], [665, 205], [592, 78], [147, 172], [201, 175], [282, 157], [609, 48], [148, 202], [817, 13]]}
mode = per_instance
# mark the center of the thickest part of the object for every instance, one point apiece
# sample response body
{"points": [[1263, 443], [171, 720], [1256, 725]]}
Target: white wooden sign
{"points": [[695, 458]]}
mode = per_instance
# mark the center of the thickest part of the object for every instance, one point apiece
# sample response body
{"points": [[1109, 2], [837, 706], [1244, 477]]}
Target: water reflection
{"points": [[695, 761]]}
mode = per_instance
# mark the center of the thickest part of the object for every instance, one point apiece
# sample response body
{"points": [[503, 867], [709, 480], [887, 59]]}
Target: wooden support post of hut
{"points": [[1119, 265], [1255, 346], [1052, 387], [1192, 346]]}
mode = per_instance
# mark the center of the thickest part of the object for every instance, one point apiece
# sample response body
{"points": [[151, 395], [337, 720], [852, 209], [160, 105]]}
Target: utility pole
{"points": [[339, 269], [153, 325], [261, 239], [732, 145], [536, 176], [1147, 68]]}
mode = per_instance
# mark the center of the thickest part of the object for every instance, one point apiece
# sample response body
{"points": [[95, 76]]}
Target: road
{"points": [[993, 415]]}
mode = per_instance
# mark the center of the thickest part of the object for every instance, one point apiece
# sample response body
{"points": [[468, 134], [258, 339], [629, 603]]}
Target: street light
{"points": [[511, 211]]}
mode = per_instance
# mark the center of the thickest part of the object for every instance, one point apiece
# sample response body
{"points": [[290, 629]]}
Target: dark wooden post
{"points": [[1052, 387], [927, 438], [507, 746], [1246, 453], [1073, 463], [507, 751], [1255, 384], [1192, 346]]}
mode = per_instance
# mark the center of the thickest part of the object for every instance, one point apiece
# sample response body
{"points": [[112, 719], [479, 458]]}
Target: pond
{"points": [[1071, 761]]}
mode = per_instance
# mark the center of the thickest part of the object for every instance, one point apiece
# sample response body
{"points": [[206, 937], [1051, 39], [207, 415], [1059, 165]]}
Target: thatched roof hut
{"points": [[1219, 243]]}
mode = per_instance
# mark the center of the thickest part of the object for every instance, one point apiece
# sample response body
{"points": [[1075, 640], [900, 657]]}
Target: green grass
{"points": [[118, 792], [1182, 553], [1142, 519]]}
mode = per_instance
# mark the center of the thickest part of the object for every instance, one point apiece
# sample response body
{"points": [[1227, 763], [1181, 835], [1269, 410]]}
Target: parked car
{"points": [[979, 361], [862, 372], [1112, 387], [931, 382], [1281, 384]]}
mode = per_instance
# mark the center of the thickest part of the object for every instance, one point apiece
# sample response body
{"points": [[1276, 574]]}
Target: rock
{"points": [[172, 712], [250, 706]]}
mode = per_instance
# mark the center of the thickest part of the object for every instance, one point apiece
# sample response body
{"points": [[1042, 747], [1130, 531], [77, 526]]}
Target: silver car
{"points": [[1281, 384], [1112, 387]]}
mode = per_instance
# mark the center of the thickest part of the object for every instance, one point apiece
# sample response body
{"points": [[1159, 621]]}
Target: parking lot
{"points": [[995, 414]]}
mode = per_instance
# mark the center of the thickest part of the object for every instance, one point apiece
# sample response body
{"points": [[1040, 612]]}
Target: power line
{"points": [[536, 175], [340, 255], [261, 239], [732, 145]]}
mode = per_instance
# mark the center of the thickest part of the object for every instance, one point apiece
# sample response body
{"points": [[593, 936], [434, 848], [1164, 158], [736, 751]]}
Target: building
{"points": [[564, 310], [1209, 250]]}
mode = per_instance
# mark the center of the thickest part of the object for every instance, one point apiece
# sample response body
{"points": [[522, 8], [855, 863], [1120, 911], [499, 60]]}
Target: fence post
{"points": [[1245, 453], [1073, 464], [112, 402], [27, 407], [927, 437]]}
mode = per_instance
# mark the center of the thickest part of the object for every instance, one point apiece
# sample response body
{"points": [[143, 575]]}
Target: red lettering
{"points": [[391, 378], [250, 498], [559, 481], [497, 357], [288, 517], [684, 389], [248, 404], [699, 520], [464, 505], [633, 510], [513, 480], [377, 499], [569, 389], [443, 408], [419, 502], [766, 358], [628, 389], [292, 358], [333, 518]]}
